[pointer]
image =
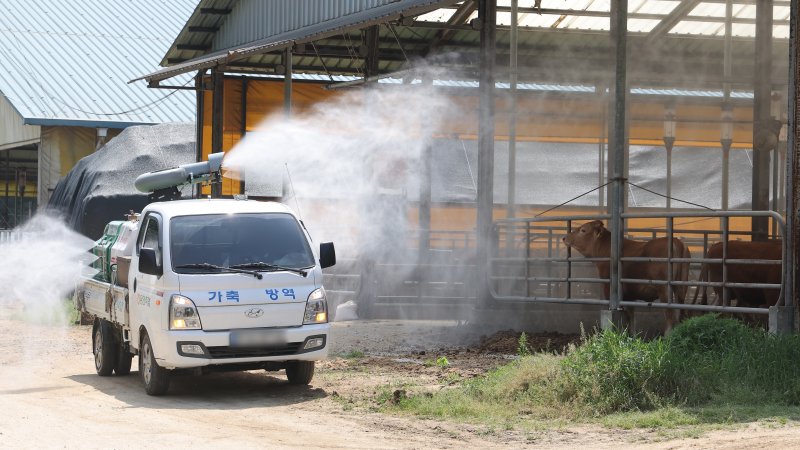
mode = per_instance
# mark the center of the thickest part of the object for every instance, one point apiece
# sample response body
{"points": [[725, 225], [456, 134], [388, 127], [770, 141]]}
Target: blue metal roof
{"points": [[69, 62]]}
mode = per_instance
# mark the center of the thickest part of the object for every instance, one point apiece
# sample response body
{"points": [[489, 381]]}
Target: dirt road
{"points": [[51, 397]]}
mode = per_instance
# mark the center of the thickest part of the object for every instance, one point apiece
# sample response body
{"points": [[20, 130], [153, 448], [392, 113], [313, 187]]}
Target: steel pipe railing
{"points": [[546, 232]]}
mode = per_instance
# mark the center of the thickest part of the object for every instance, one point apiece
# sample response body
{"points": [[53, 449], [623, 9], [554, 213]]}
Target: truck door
{"points": [[147, 304]]}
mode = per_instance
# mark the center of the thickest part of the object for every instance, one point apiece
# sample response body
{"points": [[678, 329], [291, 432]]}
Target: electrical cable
{"points": [[631, 184], [574, 198], [671, 198]]}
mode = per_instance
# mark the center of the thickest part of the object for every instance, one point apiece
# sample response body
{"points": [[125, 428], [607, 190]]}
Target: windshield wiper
{"points": [[263, 265], [220, 268]]}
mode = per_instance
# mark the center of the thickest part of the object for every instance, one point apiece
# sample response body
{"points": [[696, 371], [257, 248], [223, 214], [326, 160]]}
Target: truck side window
{"points": [[149, 236]]}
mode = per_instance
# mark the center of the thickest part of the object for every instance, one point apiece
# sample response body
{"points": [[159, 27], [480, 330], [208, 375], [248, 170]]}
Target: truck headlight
{"points": [[316, 308], [183, 314]]}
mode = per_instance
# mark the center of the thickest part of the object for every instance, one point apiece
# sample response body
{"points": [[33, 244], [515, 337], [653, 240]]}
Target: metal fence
{"points": [[9, 236], [530, 263], [428, 275]]}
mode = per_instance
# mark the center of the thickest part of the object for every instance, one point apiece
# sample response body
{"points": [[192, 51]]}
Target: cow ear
{"points": [[598, 227]]}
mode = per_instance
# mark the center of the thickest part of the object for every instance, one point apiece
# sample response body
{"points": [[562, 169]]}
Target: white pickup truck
{"points": [[211, 284]]}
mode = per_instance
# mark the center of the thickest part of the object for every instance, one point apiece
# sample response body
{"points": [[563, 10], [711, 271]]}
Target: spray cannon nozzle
{"points": [[193, 173]]}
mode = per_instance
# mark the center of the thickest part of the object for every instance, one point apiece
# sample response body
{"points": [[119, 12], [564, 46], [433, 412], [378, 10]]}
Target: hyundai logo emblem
{"points": [[254, 313]]}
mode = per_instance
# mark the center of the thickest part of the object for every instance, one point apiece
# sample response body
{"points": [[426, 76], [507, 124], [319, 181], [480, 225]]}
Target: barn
{"points": [[450, 145]]}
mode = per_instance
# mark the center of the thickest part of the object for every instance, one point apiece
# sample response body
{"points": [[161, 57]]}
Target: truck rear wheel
{"points": [[155, 377], [124, 359], [104, 348], [300, 372]]}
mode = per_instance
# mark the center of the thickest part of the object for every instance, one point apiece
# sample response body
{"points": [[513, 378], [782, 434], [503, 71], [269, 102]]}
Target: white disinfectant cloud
{"points": [[40, 266], [354, 161]]}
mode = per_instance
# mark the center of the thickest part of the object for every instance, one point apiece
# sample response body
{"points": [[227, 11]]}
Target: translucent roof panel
{"points": [[644, 16]]}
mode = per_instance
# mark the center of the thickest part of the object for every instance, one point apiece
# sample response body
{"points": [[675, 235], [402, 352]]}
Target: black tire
{"points": [[154, 377], [124, 359], [104, 347], [300, 372]]}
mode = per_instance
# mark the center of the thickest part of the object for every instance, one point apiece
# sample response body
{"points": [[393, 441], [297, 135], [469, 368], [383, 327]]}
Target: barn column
{"points": [[287, 81], [762, 91], [619, 29], [487, 15], [423, 260], [512, 123], [782, 318], [200, 87], [218, 80]]}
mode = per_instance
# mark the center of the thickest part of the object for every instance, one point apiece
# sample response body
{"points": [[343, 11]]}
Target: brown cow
{"points": [[593, 240], [745, 273]]}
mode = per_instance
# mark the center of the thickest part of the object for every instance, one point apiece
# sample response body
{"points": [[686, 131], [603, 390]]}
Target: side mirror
{"points": [[148, 263], [327, 254]]}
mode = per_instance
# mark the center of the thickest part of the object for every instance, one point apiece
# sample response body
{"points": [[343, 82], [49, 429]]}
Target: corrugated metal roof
{"points": [[68, 62], [284, 30], [253, 20]]}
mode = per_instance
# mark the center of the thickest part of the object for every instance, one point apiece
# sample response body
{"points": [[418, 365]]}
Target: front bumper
{"points": [[216, 348]]}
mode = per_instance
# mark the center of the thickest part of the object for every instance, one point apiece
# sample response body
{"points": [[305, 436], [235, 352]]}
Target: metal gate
{"points": [[530, 263]]}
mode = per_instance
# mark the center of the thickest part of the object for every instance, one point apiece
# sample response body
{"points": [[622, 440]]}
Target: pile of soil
{"points": [[507, 342]]}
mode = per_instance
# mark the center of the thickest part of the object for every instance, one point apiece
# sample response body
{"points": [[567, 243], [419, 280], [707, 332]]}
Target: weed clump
{"points": [[706, 361], [612, 371]]}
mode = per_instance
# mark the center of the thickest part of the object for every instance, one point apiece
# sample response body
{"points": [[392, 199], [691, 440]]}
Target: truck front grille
{"points": [[233, 352]]}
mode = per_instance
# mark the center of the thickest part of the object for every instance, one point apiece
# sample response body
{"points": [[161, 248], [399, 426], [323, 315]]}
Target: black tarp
{"points": [[100, 188]]}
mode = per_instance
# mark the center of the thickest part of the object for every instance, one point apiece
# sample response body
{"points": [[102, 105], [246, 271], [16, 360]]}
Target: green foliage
{"points": [[440, 362], [612, 371], [353, 354], [523, 349], [733, 371]]}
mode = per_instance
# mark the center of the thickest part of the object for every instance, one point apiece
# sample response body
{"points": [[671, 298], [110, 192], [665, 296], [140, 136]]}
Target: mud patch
{"points": [[507, 342]]}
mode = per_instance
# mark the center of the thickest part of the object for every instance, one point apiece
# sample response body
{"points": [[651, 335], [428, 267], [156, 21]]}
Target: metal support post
{"points": [[199, 85], [512, 121], [762, 88], [243, 132], [619, 29], [371, 45], [424, 218], [287, 81], [217, 120], [487, 15], [792, 179]]}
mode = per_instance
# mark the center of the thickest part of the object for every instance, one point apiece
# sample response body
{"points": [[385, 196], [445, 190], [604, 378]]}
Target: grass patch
{"points": [[353, 354], [56, 314], [709, 372]]}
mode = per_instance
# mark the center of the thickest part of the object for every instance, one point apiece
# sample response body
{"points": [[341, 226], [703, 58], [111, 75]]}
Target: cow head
{"points": [[583, 238]]}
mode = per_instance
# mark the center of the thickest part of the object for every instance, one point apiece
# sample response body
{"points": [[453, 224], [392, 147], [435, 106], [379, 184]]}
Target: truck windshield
{"points": [[225, 240]]}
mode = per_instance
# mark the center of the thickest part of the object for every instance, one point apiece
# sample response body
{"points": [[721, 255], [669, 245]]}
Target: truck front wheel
{"points": [[104, 348], [155, 377], [300, 372]]}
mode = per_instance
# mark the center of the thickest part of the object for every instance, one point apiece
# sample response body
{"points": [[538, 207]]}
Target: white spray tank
{"points": [[165, 183]]}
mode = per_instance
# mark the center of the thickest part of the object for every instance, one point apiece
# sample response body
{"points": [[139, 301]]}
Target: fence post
{"points": [[365, 297]]}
